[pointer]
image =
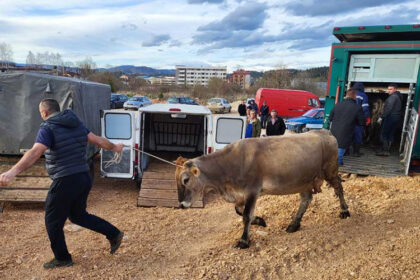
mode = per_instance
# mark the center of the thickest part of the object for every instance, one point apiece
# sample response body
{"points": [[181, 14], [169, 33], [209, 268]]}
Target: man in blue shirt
{"points": [[362, 100], [63, 138]]}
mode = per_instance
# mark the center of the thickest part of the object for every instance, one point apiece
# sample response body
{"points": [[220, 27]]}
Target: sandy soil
{"points": [[381, 240]]}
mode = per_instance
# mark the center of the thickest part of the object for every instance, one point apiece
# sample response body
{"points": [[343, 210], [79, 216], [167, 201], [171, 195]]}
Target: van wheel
{"points": [[229, 110]]}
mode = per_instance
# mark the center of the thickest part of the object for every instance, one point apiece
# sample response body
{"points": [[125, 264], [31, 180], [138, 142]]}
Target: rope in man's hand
{"points": [[116, 159]]}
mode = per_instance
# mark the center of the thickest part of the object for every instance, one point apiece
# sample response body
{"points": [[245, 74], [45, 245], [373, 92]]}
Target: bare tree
{"points": [[6, 54], [86, 66], [30, 59]]}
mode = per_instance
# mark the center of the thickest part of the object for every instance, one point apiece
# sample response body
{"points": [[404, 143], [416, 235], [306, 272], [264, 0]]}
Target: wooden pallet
{"points": [[22, 190], [369, 164], [158, 187]]}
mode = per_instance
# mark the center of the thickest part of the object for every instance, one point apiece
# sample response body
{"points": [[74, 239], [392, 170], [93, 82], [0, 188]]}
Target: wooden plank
{"points": [[158, 175], [156, 193], [152, 202], [158, 184], [23, 195]]}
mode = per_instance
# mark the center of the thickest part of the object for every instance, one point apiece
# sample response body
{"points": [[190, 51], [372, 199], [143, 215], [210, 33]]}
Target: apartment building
{"points": [[241, 77], [188, 75]]}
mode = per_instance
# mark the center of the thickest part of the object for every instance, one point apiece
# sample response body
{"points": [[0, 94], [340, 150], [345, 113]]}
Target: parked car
{"points": [[117, 100], [287, 102], [248, 100], [219, 105], [181, 100], [137, 102], [313, 119]]}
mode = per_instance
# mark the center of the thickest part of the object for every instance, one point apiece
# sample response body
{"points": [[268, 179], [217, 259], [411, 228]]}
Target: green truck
{"points": [[378, 56]]}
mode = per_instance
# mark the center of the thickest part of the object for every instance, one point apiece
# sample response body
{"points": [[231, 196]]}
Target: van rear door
{"points": [[118, 127], [228, 129]]}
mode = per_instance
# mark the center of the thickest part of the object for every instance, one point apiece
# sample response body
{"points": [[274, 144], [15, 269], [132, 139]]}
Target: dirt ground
{"points": [[381, 240]]}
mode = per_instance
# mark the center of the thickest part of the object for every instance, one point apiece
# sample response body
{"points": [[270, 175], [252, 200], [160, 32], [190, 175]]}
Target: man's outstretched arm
{"points": [[28, 159], [104, 143]]}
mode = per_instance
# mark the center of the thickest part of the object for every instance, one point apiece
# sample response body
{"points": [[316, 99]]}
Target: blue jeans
{"points": [[340, 156]]}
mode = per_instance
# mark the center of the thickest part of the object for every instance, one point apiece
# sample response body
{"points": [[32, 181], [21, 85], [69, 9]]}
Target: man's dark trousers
{"points": [[67, 198]]}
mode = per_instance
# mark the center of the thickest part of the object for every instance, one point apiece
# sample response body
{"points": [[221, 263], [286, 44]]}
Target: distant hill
{"points": [[140, 70]]}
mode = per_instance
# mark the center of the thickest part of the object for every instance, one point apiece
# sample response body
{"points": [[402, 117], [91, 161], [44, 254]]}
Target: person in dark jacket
{"points": [[275, 124], [362, 100], [242, 109], [253, 106], [390, 118], [63, 138], [264, 111], [344, 117]]}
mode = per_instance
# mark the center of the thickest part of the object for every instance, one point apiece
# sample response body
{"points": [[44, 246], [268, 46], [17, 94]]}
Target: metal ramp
{"points": [[158, 187], [371, 164]]}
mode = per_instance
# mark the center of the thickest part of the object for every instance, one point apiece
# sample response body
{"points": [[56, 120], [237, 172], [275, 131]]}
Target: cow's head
{"points": [[189, 186]]}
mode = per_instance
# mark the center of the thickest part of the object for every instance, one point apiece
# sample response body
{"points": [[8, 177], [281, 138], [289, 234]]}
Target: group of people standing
{"points": [[349, 117], [270, 121]]}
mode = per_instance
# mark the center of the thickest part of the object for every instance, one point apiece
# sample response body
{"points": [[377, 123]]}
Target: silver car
{"points": [[219, 105], [137, 102]]}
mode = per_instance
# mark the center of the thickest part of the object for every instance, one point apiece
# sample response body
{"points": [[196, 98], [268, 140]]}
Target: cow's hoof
{"points": [[293, 227], [259, 222], [344, 214], [242, 244]]}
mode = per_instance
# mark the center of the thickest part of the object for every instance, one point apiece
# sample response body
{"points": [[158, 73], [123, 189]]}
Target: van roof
{"points": [[278, 90], [176, 109], [378, 33]]}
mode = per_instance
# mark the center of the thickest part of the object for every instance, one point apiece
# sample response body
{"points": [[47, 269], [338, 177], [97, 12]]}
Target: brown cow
{"points": [[277, 165]]}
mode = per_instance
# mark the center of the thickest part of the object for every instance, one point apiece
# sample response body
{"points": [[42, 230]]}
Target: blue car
{"points": [[137, 102], [181, 100], [313, 119], [117, 100]]}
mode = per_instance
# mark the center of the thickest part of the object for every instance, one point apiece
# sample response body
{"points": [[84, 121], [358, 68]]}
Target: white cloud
{"points": [[114, 32]]}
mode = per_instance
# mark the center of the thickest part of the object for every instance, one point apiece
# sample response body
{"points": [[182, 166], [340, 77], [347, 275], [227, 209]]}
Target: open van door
{"points": [[228, 129], [118, 127]]}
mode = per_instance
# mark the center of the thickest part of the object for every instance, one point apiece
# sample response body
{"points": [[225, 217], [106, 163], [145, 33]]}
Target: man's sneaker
{"points": [[116, 242], [56, 263]]}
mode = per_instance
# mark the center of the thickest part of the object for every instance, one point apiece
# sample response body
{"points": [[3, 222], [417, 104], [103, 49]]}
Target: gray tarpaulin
{"points": [[20, 94]]}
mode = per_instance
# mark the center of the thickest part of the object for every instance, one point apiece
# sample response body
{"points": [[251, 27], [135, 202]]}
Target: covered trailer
{"points": [[20, 94], [378, 56]]}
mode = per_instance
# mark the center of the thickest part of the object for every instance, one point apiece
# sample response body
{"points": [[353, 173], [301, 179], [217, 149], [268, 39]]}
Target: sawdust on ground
{"points": [[381, 240]]}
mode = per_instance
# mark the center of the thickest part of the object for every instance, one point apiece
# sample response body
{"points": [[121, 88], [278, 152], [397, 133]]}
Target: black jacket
{"points": [[344, 117], [264, 110], [277, 129], [393, 105], [242, 110]]}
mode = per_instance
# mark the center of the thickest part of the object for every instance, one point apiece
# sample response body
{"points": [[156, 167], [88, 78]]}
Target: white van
{"points": [[167, 131]]}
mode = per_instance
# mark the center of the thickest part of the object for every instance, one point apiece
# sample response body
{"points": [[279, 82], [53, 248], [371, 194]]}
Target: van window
{"points": [[118, 126], [228, 130], [312, 102]]}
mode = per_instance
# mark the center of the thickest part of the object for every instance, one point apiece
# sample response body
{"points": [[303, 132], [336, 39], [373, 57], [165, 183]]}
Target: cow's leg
{"points": [[338, 189], [259, 221], [243, 243], [305, 199]]}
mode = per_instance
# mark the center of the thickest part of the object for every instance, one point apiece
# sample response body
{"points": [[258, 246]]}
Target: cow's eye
{"points": [[185, 181]]}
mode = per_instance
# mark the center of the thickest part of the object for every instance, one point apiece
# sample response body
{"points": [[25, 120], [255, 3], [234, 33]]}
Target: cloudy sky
{"points": [[256, 35]]}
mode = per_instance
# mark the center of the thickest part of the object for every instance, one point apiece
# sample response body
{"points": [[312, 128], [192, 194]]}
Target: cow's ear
{"points": [[195, 171]]}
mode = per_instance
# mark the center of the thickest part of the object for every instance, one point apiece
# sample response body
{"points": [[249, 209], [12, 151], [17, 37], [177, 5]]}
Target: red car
{"points": [[287, 102]]}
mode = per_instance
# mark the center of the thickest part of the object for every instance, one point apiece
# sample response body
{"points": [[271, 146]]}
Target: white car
{"points": [[219, 105], [137, 102]]}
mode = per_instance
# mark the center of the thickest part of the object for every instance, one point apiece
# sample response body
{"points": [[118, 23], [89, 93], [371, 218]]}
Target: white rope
{"points": [[118, 157]]}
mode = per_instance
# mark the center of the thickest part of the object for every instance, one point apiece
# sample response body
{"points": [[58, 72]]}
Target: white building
{"points": [[188, 75], [167, 80]]}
